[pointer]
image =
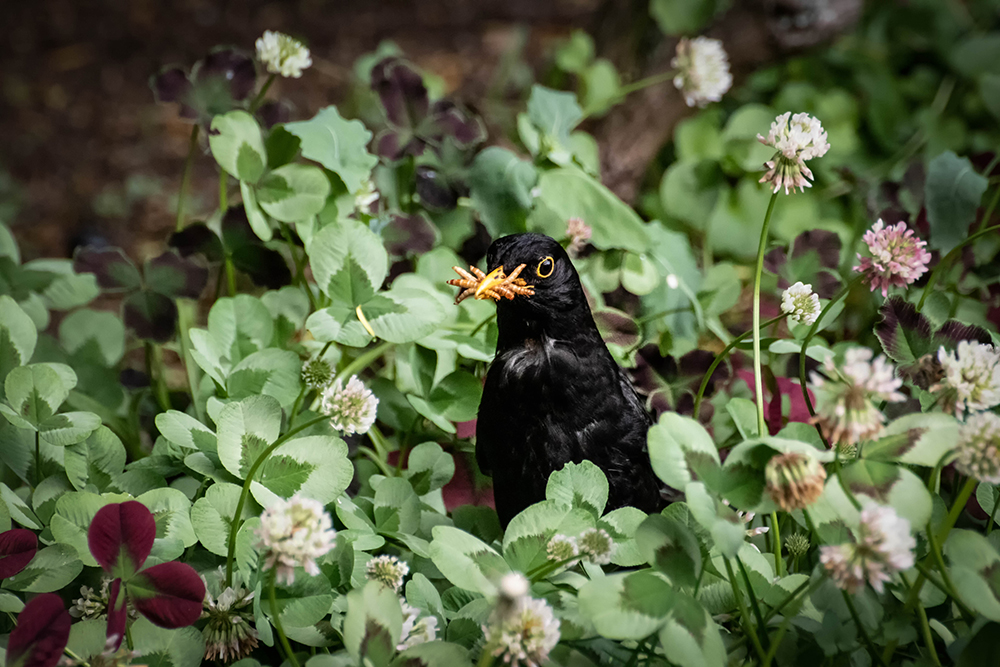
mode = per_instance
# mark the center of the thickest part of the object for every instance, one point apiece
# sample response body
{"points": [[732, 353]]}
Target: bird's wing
{"points": [[489, 424], [633, 399]]}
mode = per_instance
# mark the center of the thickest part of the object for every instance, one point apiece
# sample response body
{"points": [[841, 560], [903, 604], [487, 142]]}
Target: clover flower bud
{"points": [[387, 570], [351, 408], [898, 257], [797, 544], [971, 379], [317, 373], [702, 70], [882, 546], [979, 448], [796, 138], [800, 303], [596, 545], [562, 548], [282, 54], [845, 410], [794, 480], [294, 533]]}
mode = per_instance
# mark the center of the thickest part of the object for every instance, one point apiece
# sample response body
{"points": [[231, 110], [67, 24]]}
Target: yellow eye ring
{"points": [[545, 267]]}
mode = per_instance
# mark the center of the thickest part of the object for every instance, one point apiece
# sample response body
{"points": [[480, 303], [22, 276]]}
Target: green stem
{"points": [[362, 361], [743, 611], [185, 311], [809, 336], [989, 524], [234, 530], [154, 368], [186, 176], [276, 618], [761, 248], [777, 641], [128, 633], [373, 456], [38, 458], [778, 563], [297, 405], [952, 254], [753, 599], [840, 480], [949, 586], [482, 324], [230, 275], [300, 271], [646, 82], [223, 191], [861, 628], [956, 509], [263, 91], [721, 357]]}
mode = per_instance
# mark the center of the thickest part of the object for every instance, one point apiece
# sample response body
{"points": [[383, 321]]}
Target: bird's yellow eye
{"points": [[545, 267]]}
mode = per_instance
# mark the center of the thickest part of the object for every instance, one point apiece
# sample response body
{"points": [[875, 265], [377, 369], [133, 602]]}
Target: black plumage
{"points": [[553, 393]]}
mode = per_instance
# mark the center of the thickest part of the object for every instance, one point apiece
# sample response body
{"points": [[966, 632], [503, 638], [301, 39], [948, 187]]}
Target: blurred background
{"points": [[86, 154]]}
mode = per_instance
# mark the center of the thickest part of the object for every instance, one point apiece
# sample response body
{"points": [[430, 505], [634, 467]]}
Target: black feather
{"points": [[554, 394]]}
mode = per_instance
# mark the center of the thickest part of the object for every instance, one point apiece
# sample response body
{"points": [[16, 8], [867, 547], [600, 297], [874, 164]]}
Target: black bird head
{"points": [[551, 301]]}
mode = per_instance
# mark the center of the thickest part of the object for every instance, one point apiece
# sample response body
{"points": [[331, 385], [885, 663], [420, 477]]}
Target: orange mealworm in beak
{"points": [[494, 285]]}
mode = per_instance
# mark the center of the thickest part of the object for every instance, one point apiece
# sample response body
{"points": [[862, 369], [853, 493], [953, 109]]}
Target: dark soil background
{"points": [[86, 154]]}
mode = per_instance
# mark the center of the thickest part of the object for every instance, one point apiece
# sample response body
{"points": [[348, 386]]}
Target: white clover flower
{"points": [[845, 408], [365, 197], [351, 409], [979, 448], [794, 480], [513, 587], [523, 636], [702, 70], [282, 54], [416, 630], [800, 303], [801, 139], [562, 548], [91, 605], [387, 570], [596, 545], [882, 546], [317, 373], [294, 533], [971, 377]]}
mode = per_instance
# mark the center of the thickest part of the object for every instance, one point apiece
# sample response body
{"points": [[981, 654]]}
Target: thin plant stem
{"points": [[782, 629], [754, 640], [373, 456], [276, 617], [482, 324], [840, 480], [235, 529], [223, 191], [761, 248], [861, 628], [646, 82], [949, 586], [956, 509], [753, 600], [721, 357], [778, 563], [809, 336], [941, 586], [260, 95], [185, 310], [300, 272], [993, 514], [38, 457], [230, 275], [154, 368], [186, 176], [297, 405], [952, 254], [362, 361]]}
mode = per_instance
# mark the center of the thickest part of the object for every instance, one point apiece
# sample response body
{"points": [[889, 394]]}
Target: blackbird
{"points": [[553, 393]]}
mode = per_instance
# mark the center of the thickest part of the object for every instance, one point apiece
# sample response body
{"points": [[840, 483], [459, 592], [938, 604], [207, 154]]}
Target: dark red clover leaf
{"points": [[41, 634], [17, 548], [170, 594], [121, 537]]}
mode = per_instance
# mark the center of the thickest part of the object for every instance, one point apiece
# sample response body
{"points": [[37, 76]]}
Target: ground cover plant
{"points": [[251, 460]]}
